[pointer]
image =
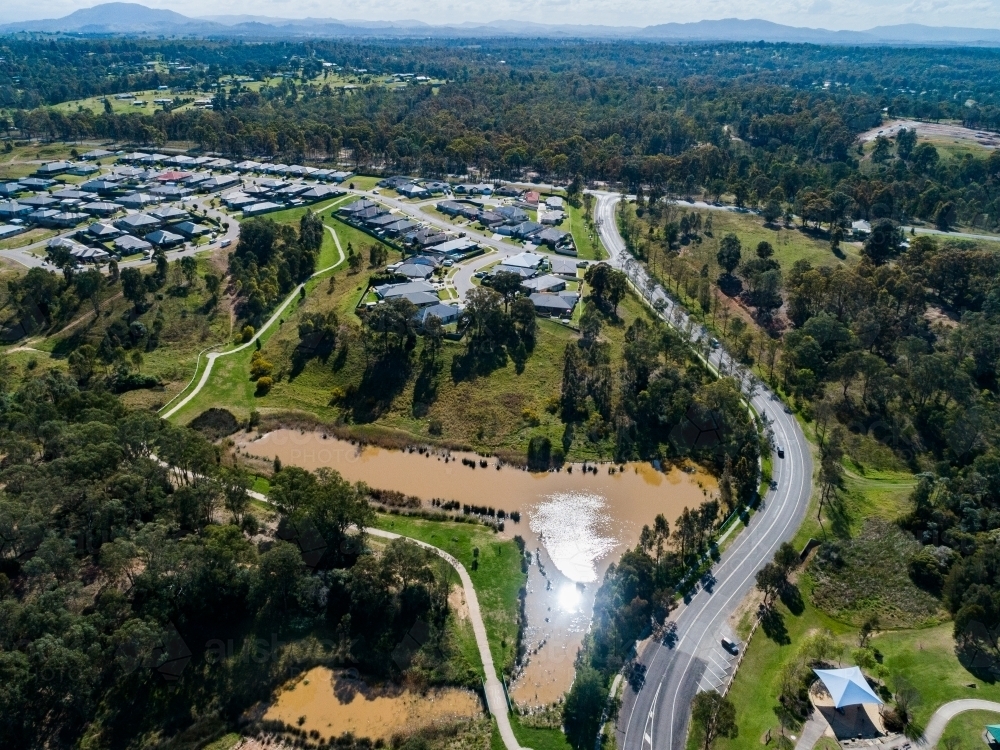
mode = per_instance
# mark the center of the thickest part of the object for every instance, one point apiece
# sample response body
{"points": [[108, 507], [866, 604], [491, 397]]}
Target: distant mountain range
{"points": [[135, 19]]}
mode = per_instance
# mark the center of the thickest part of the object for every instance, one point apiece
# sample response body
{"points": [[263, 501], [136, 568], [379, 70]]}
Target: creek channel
{"points": [[575, 523]]}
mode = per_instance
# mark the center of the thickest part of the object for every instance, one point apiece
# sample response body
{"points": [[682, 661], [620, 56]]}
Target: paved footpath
{"points": [[496, 697]]}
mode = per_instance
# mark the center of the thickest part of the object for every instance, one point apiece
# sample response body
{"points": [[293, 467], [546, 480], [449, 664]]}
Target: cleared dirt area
{"points": [[932, 130]]}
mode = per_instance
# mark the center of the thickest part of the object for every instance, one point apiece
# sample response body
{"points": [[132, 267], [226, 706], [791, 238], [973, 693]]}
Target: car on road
{"points": [[730, 646], [780, 451], [714, 343], [226, 243]]}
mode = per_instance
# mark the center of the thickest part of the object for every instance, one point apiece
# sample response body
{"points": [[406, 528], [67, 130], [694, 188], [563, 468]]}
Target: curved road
{"points": [[656, 717]]}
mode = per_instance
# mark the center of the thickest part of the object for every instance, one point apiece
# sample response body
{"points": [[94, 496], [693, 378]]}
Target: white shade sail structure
{"points": [[847, 686]]}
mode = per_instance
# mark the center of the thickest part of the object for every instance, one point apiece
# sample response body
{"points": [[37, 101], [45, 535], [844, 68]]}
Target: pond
{"points": [[575, 522], [333, 703]]}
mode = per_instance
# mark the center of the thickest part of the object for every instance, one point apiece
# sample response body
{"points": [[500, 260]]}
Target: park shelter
{"points": [[848, 686], [993, 730]]}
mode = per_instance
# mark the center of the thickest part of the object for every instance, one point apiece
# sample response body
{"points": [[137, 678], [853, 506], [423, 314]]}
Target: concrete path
{"points": [[212, 356], [812, 731], [496, 698], [947, 712]]}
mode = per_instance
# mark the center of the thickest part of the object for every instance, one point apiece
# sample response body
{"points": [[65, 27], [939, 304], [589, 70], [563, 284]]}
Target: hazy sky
{"points": [[830, 14]]}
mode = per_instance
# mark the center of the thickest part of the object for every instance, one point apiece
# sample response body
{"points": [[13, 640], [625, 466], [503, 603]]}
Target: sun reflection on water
{"points": [[573, 526]]}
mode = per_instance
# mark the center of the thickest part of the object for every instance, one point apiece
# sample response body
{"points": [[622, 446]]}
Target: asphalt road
{"points": [[655, 716]]}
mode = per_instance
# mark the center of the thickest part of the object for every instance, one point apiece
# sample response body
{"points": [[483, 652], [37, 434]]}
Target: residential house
{"points": [[532, 197], [565, 267], [171, 192], [554, 203], [53, 168], [138, 200], [382, 220], [396, 228], [11, 230], [445, 313], [477, 189], [14, 210], [453, 249], [525, 260], [508, 191], [395, 182], [551, 237], [163, 238], [101, 208], [97, 153], [554, 305], [168, 214], [129, 245], [10, 189], [255, 209], [137, 224], [413, 191], [546, 283], [191, 230], [389, 291], [424, 237], [450, 208], [356, 207], [101, 232], [238, 200], [39, 201], [101, 187], [36, 183], [82, 170]]}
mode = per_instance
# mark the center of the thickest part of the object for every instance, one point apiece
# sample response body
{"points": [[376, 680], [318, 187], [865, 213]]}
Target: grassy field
{"points": [[965, 731], [588, 245], [497, 577], [499, 410], [27, 238], [188, 324], [789, 245], [362, 182]]}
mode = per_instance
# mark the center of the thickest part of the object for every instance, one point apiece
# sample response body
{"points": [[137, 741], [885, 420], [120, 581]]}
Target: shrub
{"points": [[264, 386], [247, 333]]}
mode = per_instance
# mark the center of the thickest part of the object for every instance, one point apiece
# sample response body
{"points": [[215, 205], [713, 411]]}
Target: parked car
{"points": [[781, 452], [730, 646]]}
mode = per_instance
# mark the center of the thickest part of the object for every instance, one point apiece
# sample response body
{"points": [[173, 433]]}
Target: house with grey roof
{"points": [[389, 291], [97, 153], [445, 313], [101, 231], [190, 230], [101, 208], [10, 189], [53, 168], [546, 283], [137, 224], [554, 305], [14, 210], [163, 238], [263, 207], [167, 214], [129, 245]]}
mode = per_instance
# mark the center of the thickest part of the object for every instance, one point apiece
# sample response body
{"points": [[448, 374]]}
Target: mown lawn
{"points": [[965, 731], [588, 245]]}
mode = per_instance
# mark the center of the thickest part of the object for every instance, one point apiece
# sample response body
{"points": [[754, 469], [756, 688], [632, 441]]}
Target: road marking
{"points": [[781, 501]]}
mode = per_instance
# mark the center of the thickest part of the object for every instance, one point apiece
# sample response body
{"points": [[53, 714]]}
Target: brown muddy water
{"points": [[333, 703], [575, 523]]}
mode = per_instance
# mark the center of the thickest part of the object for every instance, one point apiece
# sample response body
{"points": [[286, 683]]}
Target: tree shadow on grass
{"points": [[791, 597], [773, 624], [383, 380], [476, 361], [311, 347], [425, 388]]}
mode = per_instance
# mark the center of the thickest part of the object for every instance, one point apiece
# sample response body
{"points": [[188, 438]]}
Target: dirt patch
{"points": [[937, 316], [456, 601], [982, 138]]}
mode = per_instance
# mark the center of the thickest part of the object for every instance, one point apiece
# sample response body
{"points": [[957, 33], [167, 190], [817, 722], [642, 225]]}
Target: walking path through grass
{"points": [[212, 356], [496, 697]]}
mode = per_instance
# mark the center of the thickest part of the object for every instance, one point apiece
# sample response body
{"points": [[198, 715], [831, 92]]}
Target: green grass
{"points": [[538, 739], [361, 182], [966, 730], [790, 245], [225, 742], [588, 245], [27, 238], [497, 579]]}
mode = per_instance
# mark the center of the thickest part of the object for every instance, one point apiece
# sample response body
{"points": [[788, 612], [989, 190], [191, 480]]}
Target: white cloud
{"points": [[832, 14]]}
